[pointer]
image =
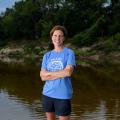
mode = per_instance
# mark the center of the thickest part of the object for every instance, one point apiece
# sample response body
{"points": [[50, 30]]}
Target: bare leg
{"points": [[64, 117], [50, 116]]}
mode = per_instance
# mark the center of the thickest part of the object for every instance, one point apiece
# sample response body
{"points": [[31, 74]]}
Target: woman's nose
{"points": [[58, 37]]}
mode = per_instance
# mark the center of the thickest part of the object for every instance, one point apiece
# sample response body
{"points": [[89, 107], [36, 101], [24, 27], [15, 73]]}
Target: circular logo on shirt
{"points": [[55, 65]]}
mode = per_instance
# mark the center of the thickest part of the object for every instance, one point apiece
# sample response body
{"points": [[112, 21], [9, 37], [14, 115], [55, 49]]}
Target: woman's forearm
{"points": [[46, 75], [49, 75], [59, 74]]}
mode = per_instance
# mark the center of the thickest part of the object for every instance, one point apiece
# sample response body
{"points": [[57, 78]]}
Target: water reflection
{"points": [[97, 89], [96, 92]]}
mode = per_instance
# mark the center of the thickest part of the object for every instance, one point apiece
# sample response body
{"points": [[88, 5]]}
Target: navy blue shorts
{"points": [[61, 107]]}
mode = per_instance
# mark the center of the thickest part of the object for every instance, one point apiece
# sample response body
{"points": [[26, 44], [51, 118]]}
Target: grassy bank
{"points": [[35, 49]]}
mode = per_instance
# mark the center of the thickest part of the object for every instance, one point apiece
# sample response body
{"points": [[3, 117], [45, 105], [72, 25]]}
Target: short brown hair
{"points": [[58, 27]]}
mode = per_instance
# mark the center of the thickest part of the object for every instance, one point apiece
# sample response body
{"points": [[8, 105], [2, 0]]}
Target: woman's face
{"points": [[58, 38]]}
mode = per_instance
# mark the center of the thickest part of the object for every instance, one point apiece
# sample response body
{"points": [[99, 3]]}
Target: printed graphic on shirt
{"points": [[55, 64]]}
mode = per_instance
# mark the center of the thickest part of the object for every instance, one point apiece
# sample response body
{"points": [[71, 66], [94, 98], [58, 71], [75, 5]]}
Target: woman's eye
{"points": [[55, 35], [58, 36]]}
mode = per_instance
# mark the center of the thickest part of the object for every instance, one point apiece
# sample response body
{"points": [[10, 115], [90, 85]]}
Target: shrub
{"points": [[117, 38]]}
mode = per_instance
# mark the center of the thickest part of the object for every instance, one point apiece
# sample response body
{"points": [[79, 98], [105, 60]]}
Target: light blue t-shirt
{"points": [[53, 61]]}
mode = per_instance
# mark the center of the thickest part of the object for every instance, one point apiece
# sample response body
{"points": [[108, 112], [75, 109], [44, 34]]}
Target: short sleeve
{"points": [[44, 65], [71, 58]]}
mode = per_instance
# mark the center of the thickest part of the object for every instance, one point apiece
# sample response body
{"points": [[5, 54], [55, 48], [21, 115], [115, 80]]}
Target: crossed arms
{"points": [[47, 75]]}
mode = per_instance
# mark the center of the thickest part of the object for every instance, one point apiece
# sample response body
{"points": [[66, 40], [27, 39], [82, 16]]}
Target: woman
{"points": [[57, 68]]}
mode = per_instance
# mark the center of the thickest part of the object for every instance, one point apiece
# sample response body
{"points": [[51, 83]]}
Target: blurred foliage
{"points": [[86, 20], [112, 43], [32, 48], [89, 36]]}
